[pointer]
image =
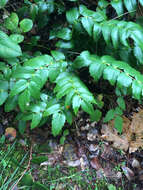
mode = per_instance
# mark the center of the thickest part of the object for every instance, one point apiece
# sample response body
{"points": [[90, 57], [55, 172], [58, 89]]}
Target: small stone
{"points": [[93, 148], [92, 135], [135, 163], [119, 175], [74, 163]]}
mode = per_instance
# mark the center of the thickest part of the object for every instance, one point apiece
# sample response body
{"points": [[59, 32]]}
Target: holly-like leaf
{"points": [[8, 49], [18, 87], [58, 121], [36, 120], [109, 116], [118, 123]]}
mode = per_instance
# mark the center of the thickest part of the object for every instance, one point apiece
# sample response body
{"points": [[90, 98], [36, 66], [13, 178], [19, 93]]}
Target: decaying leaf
{"points": [[132, 136], [10, 133]]}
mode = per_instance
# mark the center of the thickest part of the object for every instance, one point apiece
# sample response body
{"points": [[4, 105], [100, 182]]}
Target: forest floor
{"points": [[88, 155]]}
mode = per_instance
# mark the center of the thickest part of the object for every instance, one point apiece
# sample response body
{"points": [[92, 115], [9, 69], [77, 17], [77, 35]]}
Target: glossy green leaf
{"points": [[72, 15], [3, 96], [58, 55], [58, 121], [8, 49], [17, 38], [124, 80], [88, 23], [39, 61], [11, 23], [111, 74], [52, 109], [3, 3], [10, 104], [130, 5], [76, 102], [18, 87], [64, 34], [118, 6], [36, 120], [26, 25], [137, 89], [24, 99], [64, 44]]}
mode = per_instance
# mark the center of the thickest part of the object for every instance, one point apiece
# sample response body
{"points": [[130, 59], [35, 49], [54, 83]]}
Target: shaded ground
{"points": [[83, 160]]}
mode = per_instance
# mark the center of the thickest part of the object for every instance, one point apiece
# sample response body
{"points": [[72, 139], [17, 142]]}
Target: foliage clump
{"points": [[46, 45]]}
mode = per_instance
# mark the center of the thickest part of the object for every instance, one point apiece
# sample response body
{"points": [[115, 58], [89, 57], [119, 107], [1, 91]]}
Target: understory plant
{"points": [[51, 51]]}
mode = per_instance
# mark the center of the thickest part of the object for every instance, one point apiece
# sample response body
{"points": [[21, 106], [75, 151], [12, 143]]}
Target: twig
{"points": [[123, 14], [27, 168]]}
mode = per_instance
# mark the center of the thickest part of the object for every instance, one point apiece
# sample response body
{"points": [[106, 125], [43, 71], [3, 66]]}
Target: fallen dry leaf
{"points": [[10, 133], [132, 136]]}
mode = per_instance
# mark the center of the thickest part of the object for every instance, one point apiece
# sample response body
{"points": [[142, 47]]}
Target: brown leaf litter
{"points": [[132, 135]]}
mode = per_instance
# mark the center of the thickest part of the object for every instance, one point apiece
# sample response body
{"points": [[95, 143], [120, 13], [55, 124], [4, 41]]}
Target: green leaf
{"points": [[98, 115], [115, 37], [23, 72], [83, 60], [11, 23], [118, 6], [52, 109], [130, 5], [39, 61], [69, 116], [64, 44], [8, 49], [87, 107], [36, 120], [18, 87], [109, 115], [3, 96], [10, 104], [72, 15], [137, 89], [96, 31], [26, 25], [76, 102], [23, 100], [118, 123], [124, 80], [39, 159], [121, 103], [34, 90], [3, 3], [96, 69], [118, 111], [88, 23], [58, 55], [21, 127], [141, 2], [106, 31], [138, 54], [17, 38], [58, 121], [111, 74], [64, 34], [4, 85]]}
